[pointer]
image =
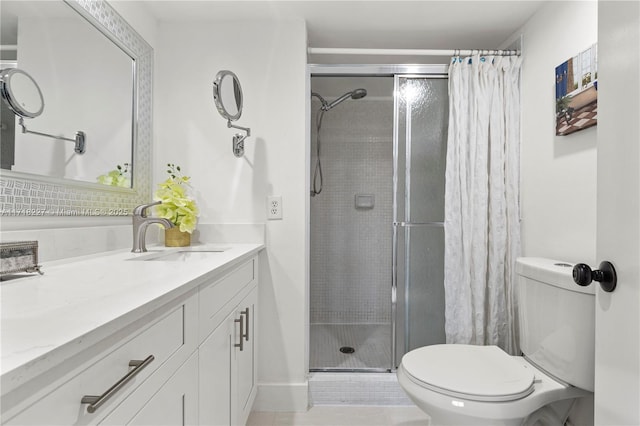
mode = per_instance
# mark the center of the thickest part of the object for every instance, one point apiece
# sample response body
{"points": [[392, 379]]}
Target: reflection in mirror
{"points": [[96, 73], [231, 96], [22, 95], [87, 82], [227, 94]]}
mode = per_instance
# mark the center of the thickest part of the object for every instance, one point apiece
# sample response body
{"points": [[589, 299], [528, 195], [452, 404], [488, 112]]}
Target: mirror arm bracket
{"points": [[238, 139], [246, 129], [80, 139]]}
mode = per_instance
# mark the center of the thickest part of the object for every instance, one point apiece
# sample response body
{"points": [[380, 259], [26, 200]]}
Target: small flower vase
{"points": [[174, 237]]}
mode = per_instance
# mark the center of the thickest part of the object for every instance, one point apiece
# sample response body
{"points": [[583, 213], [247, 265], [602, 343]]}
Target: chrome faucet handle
{"points": [[141, 210], [140, 224]]}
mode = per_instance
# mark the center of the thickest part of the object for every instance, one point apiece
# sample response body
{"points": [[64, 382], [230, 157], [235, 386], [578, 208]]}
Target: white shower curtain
{"points": [[482, 228]]}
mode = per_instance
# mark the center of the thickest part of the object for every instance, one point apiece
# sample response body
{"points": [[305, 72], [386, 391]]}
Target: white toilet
{"points": [[483, 385]]}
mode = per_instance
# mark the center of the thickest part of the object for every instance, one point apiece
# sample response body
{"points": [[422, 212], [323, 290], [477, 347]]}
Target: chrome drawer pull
{"points": [[241, 344], [246, 327], [96, 401]]}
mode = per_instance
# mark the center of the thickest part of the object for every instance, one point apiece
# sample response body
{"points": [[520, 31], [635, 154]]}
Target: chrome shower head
{"points": [[356, 94]]}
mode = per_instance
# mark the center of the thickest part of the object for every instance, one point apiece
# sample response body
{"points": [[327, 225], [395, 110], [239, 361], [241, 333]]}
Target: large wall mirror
{"points": [[95, 75]]}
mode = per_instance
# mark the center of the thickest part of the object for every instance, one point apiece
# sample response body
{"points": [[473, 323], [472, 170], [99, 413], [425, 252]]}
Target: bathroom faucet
{"points": [[140, 223]]}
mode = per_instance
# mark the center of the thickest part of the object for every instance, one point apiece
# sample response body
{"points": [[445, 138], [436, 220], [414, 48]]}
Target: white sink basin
{"points": [[181, 255]]}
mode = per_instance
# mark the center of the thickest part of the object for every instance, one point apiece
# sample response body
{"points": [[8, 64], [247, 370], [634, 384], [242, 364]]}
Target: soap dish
{"points": [[19, 256]]}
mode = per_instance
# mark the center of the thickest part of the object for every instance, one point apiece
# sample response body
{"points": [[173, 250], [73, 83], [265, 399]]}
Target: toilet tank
{"points": [[557, 320]]}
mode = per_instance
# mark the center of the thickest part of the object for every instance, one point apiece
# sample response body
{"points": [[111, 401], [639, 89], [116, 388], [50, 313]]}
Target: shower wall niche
{"points": [[351, 232]]}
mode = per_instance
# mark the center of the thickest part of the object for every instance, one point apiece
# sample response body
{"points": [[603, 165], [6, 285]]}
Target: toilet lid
{"points": [[481, 373]]}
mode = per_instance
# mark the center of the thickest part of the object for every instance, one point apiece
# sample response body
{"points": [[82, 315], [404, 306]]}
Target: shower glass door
{"points": [[421, 119]]}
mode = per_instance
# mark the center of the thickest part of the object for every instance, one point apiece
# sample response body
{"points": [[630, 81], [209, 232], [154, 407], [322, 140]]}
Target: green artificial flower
{"points": [[117, 177], [177, 206]]}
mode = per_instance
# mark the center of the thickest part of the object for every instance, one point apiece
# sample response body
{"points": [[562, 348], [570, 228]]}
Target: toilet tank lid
{"points": [[484, 373], [557, 273]]}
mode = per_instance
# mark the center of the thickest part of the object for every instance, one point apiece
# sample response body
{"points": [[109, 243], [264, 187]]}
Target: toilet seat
{"points": [[477, 373]]}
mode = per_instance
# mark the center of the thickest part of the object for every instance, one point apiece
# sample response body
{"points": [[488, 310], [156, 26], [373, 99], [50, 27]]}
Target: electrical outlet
{"points": [[274, 208]]}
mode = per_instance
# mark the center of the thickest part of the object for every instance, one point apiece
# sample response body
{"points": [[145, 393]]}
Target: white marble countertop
{"points": [[47, 319]]}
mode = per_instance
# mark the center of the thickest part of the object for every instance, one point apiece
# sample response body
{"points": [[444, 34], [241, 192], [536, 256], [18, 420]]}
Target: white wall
{"points": [[558, 173], [617, 378], [559, 193], [76, 98], [269, 57], [558, 189]]}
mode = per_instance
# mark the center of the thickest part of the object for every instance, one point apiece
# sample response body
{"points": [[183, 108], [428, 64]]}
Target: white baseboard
{"points": [[282, 397]]}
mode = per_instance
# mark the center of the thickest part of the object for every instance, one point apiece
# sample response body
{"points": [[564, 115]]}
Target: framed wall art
{"points": [[577, 92]]}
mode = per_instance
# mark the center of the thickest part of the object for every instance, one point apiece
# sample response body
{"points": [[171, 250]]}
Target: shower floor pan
{"points": [[371, 345]]}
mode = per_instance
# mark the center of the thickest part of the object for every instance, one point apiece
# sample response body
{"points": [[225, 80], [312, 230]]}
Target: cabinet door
{"points": [[215, 359], [246, 358], [175, 403]]}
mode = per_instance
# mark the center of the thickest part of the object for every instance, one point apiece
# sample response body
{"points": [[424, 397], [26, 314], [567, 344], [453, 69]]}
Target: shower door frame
{"points": [[365, 70], [403, 339]]}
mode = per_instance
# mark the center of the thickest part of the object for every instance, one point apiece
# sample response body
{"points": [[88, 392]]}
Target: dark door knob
{"points": [[606, 275]]}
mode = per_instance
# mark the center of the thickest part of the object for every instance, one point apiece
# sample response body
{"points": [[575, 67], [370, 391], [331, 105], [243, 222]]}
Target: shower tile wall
{"points": [[351, 248]]}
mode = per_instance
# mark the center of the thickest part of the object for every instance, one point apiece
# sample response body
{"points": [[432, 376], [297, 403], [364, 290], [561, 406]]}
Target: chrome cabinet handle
{"points": [[246, 327], [241, 344], [96, 401]]}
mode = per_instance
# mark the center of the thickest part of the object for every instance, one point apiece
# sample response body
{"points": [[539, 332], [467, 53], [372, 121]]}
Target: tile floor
{"points": [[342, 416], [356, 389]]}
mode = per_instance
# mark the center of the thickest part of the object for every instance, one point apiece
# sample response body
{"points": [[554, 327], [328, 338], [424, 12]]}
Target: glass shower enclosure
{"points": [[418, 224], [377, 268]]}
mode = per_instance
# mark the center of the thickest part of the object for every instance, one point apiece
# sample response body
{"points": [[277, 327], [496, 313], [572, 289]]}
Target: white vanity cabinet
{"points": [[227, 353], [181, 355], [122, 373]]}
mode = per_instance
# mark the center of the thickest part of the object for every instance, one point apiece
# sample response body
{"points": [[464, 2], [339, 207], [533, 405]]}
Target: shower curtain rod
{"points": [[409, 52]]}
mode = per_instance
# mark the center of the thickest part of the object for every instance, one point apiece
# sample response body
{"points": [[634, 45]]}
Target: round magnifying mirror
{"points": [[21, 93], [227, 94]]}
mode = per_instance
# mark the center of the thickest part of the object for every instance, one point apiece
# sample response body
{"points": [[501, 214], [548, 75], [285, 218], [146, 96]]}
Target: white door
{"points": [[617, 380]]}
